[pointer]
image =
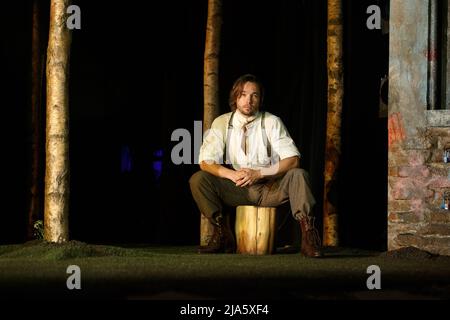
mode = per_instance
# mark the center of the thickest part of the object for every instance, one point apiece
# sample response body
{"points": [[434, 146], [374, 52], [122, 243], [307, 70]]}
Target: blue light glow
{"points": [[126, 161]]}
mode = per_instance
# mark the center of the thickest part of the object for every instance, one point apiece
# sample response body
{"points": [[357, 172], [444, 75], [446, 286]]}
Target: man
{"points": [[248, 158]]}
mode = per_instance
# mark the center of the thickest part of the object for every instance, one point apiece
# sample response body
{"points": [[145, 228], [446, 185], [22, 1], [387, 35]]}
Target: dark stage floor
{"points": [[37, 270]]}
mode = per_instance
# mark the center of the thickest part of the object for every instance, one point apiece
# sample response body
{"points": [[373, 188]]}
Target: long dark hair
{"points": [[238, 86]]}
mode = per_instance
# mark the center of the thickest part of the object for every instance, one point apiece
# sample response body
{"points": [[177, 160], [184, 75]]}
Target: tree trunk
{"points": [[211, 84], [211, 63], [37, 69], [333, 139], [56, 203]]}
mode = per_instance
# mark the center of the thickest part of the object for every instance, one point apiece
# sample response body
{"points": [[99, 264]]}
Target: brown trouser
{"points": [[210, 192]]}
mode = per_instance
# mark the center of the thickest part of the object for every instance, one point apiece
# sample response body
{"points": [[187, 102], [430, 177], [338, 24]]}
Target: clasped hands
{"points": [[245, 177]]}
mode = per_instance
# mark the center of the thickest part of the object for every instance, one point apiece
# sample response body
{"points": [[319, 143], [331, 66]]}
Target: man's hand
{"points": [[239, 177], [248, 177], [235, 176]]}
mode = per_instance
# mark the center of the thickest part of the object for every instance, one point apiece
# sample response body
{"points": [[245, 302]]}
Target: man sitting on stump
{"points": [[248, 158]]}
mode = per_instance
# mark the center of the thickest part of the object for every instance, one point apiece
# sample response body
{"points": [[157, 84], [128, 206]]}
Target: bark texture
{"points": [[333, 136], [211, 107], [56, 203]]}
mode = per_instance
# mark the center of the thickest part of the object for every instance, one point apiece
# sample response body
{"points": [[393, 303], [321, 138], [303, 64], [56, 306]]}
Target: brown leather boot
{"points": [[311, 246], [222, 239]]}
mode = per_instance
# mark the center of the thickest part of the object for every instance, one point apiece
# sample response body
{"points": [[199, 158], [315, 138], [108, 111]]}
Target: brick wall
{"points": [[418, 179], [417, 176]]}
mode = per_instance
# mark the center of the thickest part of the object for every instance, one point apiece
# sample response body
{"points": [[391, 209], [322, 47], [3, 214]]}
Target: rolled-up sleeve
{"points": [[213, 143], [281, 141]]}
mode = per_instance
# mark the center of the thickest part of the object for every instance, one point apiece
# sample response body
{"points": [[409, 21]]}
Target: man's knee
{"points": [[198, 178], [298, 172]]}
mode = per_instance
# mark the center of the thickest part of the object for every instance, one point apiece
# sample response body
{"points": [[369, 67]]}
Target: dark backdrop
{"points": [[136, 75]]}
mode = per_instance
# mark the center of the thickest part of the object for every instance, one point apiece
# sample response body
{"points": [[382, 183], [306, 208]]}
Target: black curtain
{"points": [[283, 43], [363, 174], [136, 76]]}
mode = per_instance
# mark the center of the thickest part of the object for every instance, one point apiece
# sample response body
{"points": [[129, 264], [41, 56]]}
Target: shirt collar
{"points": [[241, 120]]}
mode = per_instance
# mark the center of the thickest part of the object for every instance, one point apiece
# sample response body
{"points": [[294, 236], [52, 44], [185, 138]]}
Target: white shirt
{"points": [[281, 143]]}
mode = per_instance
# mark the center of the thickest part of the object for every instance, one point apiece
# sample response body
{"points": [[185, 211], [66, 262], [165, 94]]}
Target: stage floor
{"points": [[39, 270]]}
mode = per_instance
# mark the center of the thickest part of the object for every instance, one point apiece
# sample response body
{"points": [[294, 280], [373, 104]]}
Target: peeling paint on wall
{"points": [[417, 173], [396, 130]]}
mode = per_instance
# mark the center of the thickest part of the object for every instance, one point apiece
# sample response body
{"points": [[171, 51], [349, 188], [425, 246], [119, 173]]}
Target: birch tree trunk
{"points": [[211, 84], [37, 69], [56, 203], [333, 137]]}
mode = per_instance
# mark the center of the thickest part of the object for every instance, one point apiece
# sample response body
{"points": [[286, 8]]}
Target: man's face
{"points": [[249, 100]]}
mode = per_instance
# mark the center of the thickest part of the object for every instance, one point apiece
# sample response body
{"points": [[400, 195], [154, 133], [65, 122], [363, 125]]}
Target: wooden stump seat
{"points": [[255, 229]]}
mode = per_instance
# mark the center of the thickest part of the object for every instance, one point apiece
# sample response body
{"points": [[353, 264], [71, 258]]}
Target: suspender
{"points": [[227, 142], [264, 134]]}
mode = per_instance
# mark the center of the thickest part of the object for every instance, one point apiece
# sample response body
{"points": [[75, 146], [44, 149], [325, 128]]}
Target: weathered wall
{"points": [[447, 102], [417, 175]]}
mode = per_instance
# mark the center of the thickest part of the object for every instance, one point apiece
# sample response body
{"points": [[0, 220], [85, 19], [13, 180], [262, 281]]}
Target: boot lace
{"points": [[312, 233]]}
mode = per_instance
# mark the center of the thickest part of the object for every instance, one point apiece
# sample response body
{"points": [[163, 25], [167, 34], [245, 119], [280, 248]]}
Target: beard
{"points": [[248, 110]]}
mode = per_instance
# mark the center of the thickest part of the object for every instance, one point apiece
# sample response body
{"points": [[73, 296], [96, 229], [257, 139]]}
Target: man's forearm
{"points": [[281, 167], [216, 169], [247, 176]]}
